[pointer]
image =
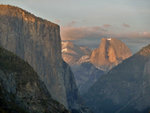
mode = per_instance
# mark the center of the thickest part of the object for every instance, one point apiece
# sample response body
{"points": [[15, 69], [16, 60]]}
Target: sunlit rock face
{"points": [[125, 88], [21, 90], [73, 54], [110, 53], [38, 42]]}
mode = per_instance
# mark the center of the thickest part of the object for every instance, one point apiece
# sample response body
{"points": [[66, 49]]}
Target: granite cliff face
{"points": [[38, 42], [21, 90], [125, 88], [109, 54], [73, 54]]}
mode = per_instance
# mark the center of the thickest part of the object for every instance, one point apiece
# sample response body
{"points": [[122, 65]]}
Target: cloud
{"points": [[126, 25], [139, 34], [132, 35], [72, 23], [74, 33], [107, 25]]}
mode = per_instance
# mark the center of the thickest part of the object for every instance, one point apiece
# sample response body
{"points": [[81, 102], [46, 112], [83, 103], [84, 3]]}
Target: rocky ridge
{"points": [[21, 90], [125, 88]]}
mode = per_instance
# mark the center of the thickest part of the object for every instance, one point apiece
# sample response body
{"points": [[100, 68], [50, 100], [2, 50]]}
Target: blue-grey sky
{"points": [[84, 19], [136, 13]]}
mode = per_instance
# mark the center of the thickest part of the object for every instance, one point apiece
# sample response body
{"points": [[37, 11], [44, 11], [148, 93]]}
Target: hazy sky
{"points": [[85, 19]]}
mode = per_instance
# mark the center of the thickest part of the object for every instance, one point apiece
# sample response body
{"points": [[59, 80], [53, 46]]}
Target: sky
{"points": [[87, 21]]}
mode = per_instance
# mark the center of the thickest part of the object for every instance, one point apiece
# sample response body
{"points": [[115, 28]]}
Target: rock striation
{"points": [[125, 88], [38, 42], [110, 53], [21, 90]]}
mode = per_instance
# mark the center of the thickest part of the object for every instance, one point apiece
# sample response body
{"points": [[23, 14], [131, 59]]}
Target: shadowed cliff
{"points": [[38, 42], [21, 90]]}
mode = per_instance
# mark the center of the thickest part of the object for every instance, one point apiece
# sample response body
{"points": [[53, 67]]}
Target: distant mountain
{"points": [[21, 90], [87, 65], [110, 53], [86, 74], [73, 54], [125, 88]]}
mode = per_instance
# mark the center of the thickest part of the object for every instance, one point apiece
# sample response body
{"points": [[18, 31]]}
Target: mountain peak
{"points": [[111, 52], [74, 54]]}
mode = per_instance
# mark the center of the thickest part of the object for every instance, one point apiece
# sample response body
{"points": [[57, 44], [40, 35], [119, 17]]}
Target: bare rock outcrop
{"points": [[110, 53], [38, 42]]}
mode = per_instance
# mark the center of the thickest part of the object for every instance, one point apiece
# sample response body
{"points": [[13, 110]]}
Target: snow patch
{"points": [[64, 50], [108, 38]]}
